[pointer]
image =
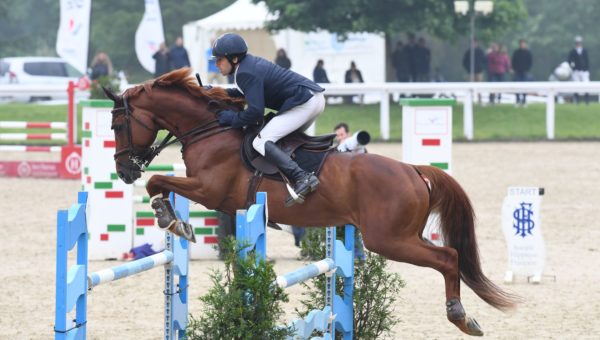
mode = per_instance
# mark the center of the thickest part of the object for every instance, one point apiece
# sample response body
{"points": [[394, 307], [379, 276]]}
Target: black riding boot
{"points": [[305, 182]]}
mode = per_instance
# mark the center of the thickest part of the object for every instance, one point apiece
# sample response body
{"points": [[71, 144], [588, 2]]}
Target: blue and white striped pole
{"points": [[129, 268], [307, 272]]}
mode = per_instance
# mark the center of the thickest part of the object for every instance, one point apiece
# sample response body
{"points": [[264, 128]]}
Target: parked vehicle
{"points": [[38, 71]]}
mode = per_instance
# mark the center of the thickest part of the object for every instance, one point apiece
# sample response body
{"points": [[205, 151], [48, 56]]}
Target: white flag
{"points": [[74, 32], [149, 35]]}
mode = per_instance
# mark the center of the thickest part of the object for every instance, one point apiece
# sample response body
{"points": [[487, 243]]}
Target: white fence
{"points": [[464, 92]]}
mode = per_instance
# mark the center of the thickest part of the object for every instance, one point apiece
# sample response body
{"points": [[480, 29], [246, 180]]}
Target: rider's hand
{"points": [[226, 117]]}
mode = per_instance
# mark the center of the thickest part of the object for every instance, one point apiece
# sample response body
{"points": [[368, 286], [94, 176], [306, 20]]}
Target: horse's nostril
{"points": [[120, 174]]}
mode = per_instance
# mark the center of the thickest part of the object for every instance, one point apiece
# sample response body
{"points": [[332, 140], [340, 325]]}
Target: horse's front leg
{"points": [[159, 187]]}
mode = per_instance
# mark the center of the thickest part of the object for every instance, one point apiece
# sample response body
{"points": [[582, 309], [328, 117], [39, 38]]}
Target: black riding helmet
{"points": [[230, 45]]}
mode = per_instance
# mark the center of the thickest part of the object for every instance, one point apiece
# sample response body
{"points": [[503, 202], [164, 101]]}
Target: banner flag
{"points": [[73, 36], [149, 35]]}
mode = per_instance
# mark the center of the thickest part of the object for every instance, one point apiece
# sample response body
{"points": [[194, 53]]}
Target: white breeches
{"points": [[581, 76], [297, 118]]}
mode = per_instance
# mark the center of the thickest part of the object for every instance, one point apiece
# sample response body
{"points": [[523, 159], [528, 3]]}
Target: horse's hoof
{"points": [[183, 229], [473, 327]]}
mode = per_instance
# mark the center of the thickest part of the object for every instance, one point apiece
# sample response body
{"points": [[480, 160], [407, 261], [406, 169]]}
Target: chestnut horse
{"points": [[388, 201]]}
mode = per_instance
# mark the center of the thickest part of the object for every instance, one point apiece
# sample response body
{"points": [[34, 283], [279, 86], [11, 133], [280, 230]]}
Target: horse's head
{"points": [[135, 132], [174, 102]]}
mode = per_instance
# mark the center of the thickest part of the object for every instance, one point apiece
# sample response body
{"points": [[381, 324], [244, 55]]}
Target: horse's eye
{"points": [[117, 127]]}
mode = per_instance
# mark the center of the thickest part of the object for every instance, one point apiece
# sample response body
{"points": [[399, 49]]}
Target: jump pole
{"points": [[73, 284]]}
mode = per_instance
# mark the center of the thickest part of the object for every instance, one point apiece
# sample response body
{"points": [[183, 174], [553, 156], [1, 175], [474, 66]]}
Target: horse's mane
{"points": [[182, 78]]}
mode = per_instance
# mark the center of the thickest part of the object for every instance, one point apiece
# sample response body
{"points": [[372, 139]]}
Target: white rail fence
{"points": [[463, 91]]}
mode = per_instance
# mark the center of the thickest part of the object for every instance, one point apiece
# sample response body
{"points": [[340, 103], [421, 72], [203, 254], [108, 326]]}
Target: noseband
{"points": [[140, 157]]}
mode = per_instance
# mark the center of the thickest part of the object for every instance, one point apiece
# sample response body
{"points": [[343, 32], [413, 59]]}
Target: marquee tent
{"points": [[304, 49]]}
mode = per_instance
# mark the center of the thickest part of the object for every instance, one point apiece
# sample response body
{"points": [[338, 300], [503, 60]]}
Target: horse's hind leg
{"points": [[415, 251]]}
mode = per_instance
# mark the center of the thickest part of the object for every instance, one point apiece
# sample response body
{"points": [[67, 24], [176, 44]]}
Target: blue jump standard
{"points": [[338, 311]]}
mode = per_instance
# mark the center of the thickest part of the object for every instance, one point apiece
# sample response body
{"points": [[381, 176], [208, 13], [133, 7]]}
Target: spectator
{"points": [[579, 61], [162, 61], [497, 65], [522, 61], [101, 66], [179, 55], [478, 66], [410, 51], [282, 59], [422, 61], [401, 62], [319, 73], [353, 75]]}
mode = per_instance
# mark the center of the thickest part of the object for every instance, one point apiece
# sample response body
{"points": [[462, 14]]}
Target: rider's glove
{"points": [[226, 117]]}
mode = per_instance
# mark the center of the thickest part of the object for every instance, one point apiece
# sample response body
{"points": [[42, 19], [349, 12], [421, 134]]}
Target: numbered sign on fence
{"points": [[521, 223]]}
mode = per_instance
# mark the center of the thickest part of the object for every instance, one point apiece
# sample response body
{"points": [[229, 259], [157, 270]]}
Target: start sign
{"points": [[521, 223]]}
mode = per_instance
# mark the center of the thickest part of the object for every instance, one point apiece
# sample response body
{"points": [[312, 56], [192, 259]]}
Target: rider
{"points": [[298, 100]]}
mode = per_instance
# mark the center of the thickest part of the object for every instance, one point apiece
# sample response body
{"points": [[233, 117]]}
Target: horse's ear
{"points": [[110, 94]]}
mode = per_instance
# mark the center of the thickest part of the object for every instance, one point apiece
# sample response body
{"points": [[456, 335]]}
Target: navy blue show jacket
{"points": [[267, 85]]}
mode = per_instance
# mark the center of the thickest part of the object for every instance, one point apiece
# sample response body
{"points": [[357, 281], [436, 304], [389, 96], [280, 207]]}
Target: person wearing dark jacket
{"points": [[282, 59], [479, 65], [353, 75], [401, 62], [179, 55], [298, 100], [521, 62], [319, 73], [580, 63], [162, 60]]}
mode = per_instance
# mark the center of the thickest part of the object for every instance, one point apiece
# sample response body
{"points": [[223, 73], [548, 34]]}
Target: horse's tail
{"points": [[457, 220]]}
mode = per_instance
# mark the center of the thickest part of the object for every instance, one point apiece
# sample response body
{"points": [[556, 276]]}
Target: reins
{"points": [[142, 158]]}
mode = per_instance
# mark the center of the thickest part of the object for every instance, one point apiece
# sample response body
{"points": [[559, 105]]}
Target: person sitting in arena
{"points": [[298, 100]]}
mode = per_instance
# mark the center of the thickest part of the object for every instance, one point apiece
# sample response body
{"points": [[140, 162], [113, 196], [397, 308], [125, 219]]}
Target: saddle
{"points": [[308, 151]]}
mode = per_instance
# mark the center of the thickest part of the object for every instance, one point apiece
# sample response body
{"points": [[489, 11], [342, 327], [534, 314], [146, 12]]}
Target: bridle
{"points": [[141, 157]]}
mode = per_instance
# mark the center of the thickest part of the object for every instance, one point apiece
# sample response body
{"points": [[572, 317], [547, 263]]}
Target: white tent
{"points": [[303, 49]]}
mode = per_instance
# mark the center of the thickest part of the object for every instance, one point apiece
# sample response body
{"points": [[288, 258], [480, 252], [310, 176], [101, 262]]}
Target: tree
{"points": [[550, 30], [29, 27], [436, 17]]}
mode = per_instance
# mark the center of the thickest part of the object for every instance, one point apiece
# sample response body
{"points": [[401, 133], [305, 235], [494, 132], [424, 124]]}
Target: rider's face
{"points": [[224, 66]]}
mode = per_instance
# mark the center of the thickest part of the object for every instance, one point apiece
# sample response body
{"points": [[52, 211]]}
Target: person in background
{"points": [[353, 75], [101, 66], [522, 60], [410, 47], [400, 60], [319, 73], [498, 65], [422, 61], [580, 63], [162, 61], [179, 55], [282, 59], [479, 65]]}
